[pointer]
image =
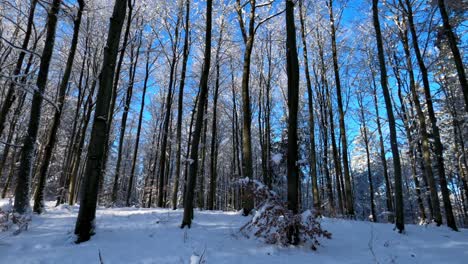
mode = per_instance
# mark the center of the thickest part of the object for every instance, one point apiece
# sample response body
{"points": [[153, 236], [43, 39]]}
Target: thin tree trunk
{"points": [[52, 138], [438, 147], [400, 223], [214, 150], [383, 159], [180, 110], [140, 120], [344, 144], [313, 159]]}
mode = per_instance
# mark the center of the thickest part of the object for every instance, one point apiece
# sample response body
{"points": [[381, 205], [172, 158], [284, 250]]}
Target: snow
{"points": [[135, 235], [276, 158]]}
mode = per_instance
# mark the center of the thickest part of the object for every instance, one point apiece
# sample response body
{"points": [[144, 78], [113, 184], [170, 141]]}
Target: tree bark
{"points": [[180, 110], [292, 69], [52, 138], [21, 204], [344, 144], [188, 202], [438, 147], [399, 209], [99, 134]]}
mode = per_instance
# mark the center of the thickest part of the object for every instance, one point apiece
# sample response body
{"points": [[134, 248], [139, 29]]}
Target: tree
{"points": [[313, 159], [180, 111], [438, 147], [51, 141], [292, 69], [344, 144], [27, 155], [99, 134], [191, 181], [399, 222]]}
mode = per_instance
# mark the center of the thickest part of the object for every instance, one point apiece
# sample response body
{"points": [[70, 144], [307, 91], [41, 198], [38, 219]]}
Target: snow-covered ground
{"points": [[133, 235]]}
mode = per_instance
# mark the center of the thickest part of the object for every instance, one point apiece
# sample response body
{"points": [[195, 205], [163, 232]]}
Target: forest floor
{"points": [[135, 235]]}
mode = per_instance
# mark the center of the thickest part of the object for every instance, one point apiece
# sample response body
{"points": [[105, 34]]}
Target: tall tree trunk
{"points": [[180, 110], [188, 202], [116, 80], [21, 204], [140, 120], [52, 138], [412, 154], [368, 161], [99, 134], [248, 37], [214, 150], [173, 64], [292, 69], [399, 208], [383, 159], [201, 171], [438, 147], [344, 143], [313, 159], [426, 154]]}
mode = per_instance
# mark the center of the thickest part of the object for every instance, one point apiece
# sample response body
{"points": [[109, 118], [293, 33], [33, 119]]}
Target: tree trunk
{"points": [[426, 154], [400, 223], [292, 69], [99, 134], [438, 147], [383, 159], [313, 159], [21, 205], [191, 181], [344, 144], [247, 167], [214, 150], [180, 110], [52, 138], [368, 161], [162, 166]]}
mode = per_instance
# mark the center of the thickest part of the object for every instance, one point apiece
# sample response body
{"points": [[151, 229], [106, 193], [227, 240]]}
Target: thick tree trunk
{"points": [[191, 181], [292, 69], [247, 167], [99, 134], [21, 204]]}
